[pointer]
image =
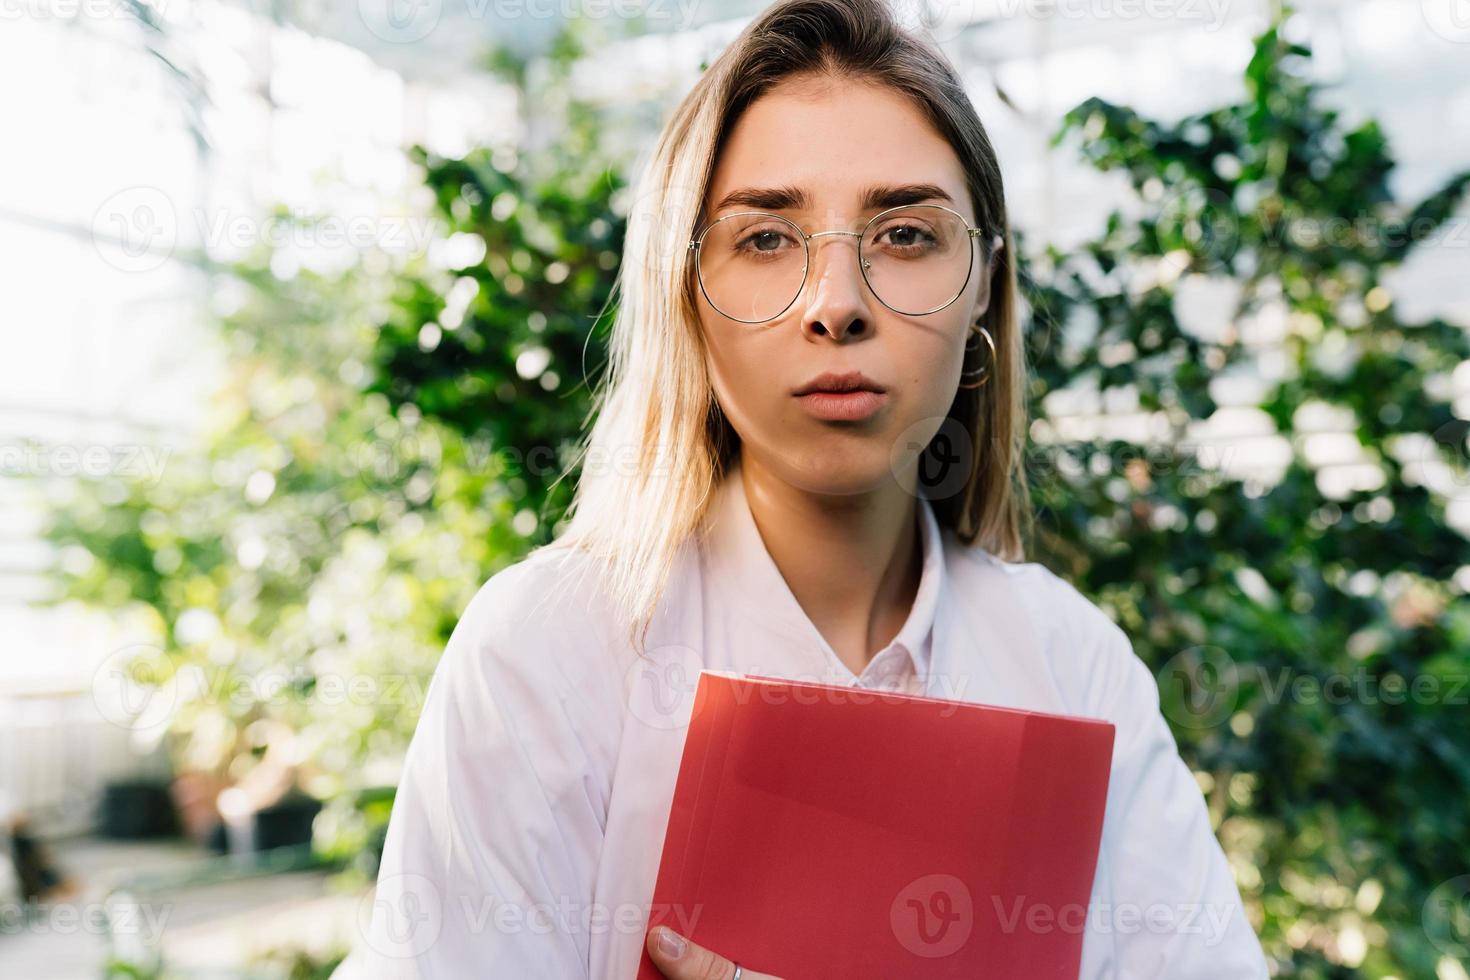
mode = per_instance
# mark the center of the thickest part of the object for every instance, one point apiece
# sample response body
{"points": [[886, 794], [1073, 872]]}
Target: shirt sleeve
{"points": [[494, 841], [1175, 911]]}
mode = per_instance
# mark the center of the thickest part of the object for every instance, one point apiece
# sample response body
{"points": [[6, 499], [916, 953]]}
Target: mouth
{"points": [[849, 397]]}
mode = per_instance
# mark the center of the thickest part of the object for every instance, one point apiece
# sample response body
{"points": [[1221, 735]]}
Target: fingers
{"points": [[682, 959]]}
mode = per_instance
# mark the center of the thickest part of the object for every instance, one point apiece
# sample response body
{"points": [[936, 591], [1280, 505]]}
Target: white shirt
{"points": [[529, 822]]}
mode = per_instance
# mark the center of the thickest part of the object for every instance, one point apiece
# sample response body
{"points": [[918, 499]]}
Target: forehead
{"points": [[833, 139]]}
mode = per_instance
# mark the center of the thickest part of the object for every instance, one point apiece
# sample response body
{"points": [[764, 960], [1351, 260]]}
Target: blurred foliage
{"points": [[389, 435], [296, 964], [1256, 275], [290, 964], [394, 433], [519, 336]]}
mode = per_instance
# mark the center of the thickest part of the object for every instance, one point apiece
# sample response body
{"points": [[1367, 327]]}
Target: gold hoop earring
{"points": [[983, 375]]}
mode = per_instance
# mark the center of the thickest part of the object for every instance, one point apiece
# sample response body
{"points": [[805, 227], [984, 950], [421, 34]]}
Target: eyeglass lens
{"points": [[752, 265]]}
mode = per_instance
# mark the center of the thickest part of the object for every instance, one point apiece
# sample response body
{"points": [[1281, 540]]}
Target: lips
{"points": [[847, 397], [831, 382], [843, 406]]}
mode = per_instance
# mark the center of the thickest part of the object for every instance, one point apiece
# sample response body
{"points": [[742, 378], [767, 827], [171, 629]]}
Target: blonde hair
{"points": [[660, 443]]}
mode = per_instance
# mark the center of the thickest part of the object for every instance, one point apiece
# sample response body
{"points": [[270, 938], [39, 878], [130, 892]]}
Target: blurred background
{"points": [[301, 307]]}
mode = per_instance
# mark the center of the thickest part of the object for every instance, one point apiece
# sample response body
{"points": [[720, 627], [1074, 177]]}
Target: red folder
{"points": [[820, 831]]}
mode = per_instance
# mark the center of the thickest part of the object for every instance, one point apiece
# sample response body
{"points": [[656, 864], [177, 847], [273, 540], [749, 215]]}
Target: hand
{"points": [[679, 959]]}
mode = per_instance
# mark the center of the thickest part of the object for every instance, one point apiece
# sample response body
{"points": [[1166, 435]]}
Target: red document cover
{"points": [[820, 831]]}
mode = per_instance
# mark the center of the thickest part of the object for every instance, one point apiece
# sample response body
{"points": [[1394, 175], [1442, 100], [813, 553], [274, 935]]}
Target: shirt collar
{"points": [[745, 572]]}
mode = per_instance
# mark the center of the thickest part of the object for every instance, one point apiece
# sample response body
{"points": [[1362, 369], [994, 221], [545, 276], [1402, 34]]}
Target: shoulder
{"points": [[537, 631], [1063, 617], [1089, 656], [545, 596]]}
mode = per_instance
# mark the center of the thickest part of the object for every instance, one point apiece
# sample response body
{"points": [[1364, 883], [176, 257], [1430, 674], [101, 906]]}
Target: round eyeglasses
{"points": [[916, 258]]}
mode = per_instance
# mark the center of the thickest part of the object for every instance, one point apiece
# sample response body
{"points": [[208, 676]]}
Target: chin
{"points": [[834, 466]]}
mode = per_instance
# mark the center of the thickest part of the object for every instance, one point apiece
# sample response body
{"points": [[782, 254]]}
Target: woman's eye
{"points": [[766, 240], [905, 236], [763, 241]]}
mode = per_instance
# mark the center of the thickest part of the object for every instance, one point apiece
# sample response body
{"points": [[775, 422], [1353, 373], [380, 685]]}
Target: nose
{"points": [[837, 307]]}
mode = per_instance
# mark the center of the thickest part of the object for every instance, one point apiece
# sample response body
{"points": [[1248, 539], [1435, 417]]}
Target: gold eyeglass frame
{"points": [[995, 244]]}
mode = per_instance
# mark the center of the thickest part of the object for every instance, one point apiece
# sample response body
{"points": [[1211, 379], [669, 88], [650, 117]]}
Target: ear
{"points": [[982, 301]]}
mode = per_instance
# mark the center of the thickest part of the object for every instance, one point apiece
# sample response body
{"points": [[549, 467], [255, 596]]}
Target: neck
{"points": [[853, 561]]}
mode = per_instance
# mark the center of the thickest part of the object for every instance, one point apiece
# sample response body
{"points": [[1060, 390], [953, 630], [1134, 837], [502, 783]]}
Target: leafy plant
{"points": [[393, 434], [1311, 652], [389, 436]]}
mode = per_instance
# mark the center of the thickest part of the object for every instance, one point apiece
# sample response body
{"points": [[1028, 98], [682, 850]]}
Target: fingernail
{"points": [[671, 944]]}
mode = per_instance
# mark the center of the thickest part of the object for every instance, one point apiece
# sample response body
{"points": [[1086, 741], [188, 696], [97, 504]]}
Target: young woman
{"points": [[818, 316]]}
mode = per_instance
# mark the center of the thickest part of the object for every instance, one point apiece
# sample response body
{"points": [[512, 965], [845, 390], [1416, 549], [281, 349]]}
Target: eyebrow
{"points": [[789, 198]]}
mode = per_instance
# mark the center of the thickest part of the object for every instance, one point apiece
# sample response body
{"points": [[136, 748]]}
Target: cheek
{"points": [[932, 362], [734, 356]]}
